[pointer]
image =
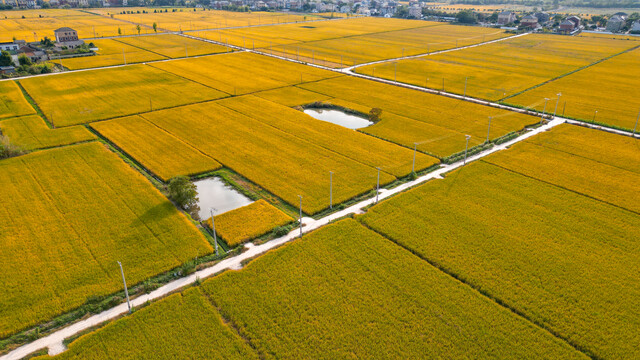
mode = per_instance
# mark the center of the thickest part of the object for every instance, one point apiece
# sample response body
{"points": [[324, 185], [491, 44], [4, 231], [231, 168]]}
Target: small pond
{"points": [[339, 118], [215, 193]]}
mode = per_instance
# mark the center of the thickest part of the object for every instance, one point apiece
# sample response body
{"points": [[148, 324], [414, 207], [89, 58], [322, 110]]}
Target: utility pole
{"points": [[395, 71], [378, 185], [124, 57], [150, 105], [594, 117], [442, 84], [126, 292], [313, 56], [186, 51], [330, 189], [489, 130], [415, 149], [465, 149], [557, 102], [544, 110], [465, 86], [213, 228], [635, 127], [300, 196]]}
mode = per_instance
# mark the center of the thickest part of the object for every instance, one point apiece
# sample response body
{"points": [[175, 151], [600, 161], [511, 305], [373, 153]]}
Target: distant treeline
{"points": [[572, 3]]}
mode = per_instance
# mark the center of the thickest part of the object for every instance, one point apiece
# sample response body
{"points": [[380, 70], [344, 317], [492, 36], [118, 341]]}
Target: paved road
{"points": [[53, 342]]}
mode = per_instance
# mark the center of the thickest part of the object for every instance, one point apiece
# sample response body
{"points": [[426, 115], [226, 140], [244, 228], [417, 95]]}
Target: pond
{"points": [[215, 193], [339, 118]]}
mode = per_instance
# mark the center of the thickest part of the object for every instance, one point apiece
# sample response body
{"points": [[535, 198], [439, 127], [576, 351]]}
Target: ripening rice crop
{"points": [[610, 88], [243, 73], [501, 69], [281, 163], [438, 124], [183, 325], [565, 261], [160, 152], [340, 290], [31, 132], [348, 51], [82, 97], [610, 36], [292, 96], [360, 147], [578, 173], [12, 101], [70, 213], [173, 46], [248, 222], [111, 52]]}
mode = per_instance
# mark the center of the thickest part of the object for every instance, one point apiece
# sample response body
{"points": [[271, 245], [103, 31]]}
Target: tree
{"points": [[155, 27], [24, 60], [119, 31], [138, 28], [184, 193], [5, 59], [374, 114], [494, 17], [466, 17]]}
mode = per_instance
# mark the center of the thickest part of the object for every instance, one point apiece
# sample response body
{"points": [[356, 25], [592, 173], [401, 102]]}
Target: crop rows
{"points": [[12, 101], [70, 213], [248, 222], [31, 132], [564, 260]]}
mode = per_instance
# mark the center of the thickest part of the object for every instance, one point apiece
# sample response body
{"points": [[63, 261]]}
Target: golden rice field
{"points": [[12, 101], [34, 28], [173, 46], [248, 222], [356, 288], [281, 163], [183, 324], [260, 37], [613, 95], [501, 69], [230, 72], [111, 52], [82, 97], [593, 178], [610, 36], [160, 152], [70, 213], [31, 133], [564, 260], [437, 124], [292, 96], [355, 50], [186, 19], [357, 146]]}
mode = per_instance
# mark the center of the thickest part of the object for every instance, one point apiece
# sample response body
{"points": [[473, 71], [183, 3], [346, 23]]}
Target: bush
{"points": [[7, 149]]}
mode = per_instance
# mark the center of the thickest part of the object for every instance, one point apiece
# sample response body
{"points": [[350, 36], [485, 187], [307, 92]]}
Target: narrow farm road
{"points": [[54, 341]]}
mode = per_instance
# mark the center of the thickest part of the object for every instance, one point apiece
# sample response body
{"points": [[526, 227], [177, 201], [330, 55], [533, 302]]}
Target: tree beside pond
{"points": [[185, 194]]}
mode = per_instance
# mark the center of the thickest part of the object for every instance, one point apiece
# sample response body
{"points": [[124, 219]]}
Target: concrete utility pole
{"points": [[594, 117], [635, 127], [124, 58], [465, 86], [395, 71], [557, 102], [313, 56], [330, 189], [126, 292], [378, 186], [150, 105], [489, 129], [544, 110], [300, 196], [186, 51], [415, 149], [465, 149], [213, 228]]}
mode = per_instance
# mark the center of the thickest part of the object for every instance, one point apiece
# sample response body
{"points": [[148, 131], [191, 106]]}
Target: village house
{"points": [[616, 23], [506, 17], [12, 46], [529, 21], [67, 37], [635, 28]]}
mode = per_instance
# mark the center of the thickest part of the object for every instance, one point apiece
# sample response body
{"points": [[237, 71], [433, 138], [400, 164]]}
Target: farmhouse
{"points": [[506, 17], [12, 46], [529, 21], [615, 23], [67, 37], [569, 24]]}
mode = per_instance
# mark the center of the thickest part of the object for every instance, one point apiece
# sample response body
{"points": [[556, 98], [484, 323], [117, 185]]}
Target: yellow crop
{"points": [[184, 325], [292, 96], [564, 260], [280, 162], [12, 101], [31, 132], [173, 46], [228, 72], [501, 69], [438, 124], [248, 222], [610, 88], [160, 152], [70, 213], [110, 53], [82, 97]]}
